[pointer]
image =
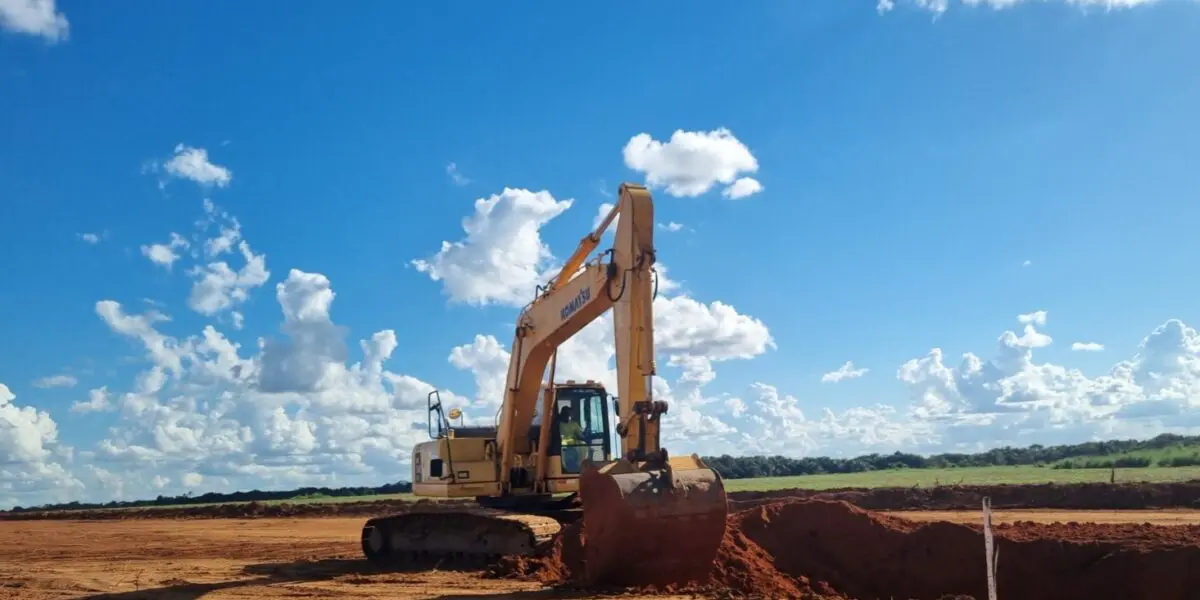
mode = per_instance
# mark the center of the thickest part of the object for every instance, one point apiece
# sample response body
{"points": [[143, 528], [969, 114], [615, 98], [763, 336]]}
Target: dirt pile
{"points": [[831, 549], [866, 555], [741, 569]]}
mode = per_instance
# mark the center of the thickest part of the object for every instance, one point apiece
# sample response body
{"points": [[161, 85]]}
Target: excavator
{"points": [[647, 516]]}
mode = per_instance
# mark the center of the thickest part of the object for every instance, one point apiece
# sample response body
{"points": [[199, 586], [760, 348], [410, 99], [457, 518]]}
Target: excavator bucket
{"points": [[651, 526]]}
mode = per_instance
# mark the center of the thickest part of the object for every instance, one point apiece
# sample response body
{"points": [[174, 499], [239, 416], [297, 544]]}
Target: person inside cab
{"points": [[570, 434]]}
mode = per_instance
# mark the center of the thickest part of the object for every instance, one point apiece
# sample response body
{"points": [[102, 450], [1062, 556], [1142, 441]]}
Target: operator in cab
{"points": [[570, 434]]}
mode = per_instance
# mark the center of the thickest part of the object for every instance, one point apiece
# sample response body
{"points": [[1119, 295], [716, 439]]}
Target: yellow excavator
{"points": [[646, 515]]}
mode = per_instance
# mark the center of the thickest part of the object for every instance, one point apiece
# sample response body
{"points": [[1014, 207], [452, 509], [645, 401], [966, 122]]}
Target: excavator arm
{"points": [[647, 516], [582, 292]]}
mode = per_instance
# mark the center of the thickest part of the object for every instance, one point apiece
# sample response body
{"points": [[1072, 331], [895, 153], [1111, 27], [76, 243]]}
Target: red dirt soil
{"points": [[741, 569], [810, 548]]}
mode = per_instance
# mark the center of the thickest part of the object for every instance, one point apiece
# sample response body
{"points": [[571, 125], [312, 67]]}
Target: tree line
{"points": [[1067, 456], [400, 487], [745, 467]]}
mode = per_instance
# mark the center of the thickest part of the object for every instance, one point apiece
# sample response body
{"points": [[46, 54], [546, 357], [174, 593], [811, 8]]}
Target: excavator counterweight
{"points": [[648, 517]]}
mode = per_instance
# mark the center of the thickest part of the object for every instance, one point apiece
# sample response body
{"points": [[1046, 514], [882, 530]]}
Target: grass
{"points": [[1024, 474], [1158, 457]]}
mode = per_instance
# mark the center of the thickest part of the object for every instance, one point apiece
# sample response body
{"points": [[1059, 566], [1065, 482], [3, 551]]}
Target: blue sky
{"points": [[895, 186]]}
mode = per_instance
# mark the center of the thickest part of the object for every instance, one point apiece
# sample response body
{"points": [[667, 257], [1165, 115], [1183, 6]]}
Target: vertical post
{"points": [[990, 552]]}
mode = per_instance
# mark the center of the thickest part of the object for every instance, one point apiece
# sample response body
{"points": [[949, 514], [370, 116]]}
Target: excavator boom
{"points": [[648, 517]]}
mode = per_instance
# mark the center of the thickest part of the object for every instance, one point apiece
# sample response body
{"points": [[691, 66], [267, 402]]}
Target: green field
{"points": [[963, 475]]}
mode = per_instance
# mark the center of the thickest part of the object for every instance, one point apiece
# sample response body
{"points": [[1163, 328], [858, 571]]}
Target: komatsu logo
{"points": [[579, 300]]}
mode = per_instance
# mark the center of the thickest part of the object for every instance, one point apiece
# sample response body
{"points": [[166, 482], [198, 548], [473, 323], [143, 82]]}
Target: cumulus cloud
{"points": [[193, 164], [502, 259], [90, 238], [1087, 346], [692, 162], [164, 255], [743, 187], [294, 411], [941, 6], [602, 212], [846, 371], [1010, 398], [98, 401], [34, 17], [33, 463], [671, 226], [218, 287], [56, 381], [1035, 318]]}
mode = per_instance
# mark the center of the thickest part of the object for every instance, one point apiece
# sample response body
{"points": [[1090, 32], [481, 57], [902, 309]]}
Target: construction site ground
{"points": [[798, 544]]}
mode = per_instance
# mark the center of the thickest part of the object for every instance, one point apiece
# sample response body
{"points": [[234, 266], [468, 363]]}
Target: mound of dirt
{"points": [[1074, 496], [741, 569], [832, 549], [866, 555]]}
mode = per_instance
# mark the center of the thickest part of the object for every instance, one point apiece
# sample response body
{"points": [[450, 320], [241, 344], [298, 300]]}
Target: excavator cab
{"points": [[581, 427]]}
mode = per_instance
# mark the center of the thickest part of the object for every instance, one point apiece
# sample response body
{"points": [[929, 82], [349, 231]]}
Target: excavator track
{"points": [[469, 537]]}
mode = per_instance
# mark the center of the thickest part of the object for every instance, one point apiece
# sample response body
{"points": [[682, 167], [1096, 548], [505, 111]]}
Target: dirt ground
{"points": [[820, 549], [175, 559]]}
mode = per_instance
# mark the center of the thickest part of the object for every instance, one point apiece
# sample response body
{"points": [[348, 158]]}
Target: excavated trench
{"points": [[831, 549]]}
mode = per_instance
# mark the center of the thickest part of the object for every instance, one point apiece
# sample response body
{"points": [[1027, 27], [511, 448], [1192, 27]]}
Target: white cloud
{"points": [[1027, 263], [671, 226], [941, 6], [218, 287], [97, 401], [487, 361], [165, 352], [1035, 318], [56, 381], [1012, 399], [31, 457], [743, 187], [292, 413], [503, 258], [1087, 346], [692, 162], [457, 177], [34, 17], [89, 238], [164, 255], [601, 213], [224, 241], [684, 326], [846, 371], [193, 164]]}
